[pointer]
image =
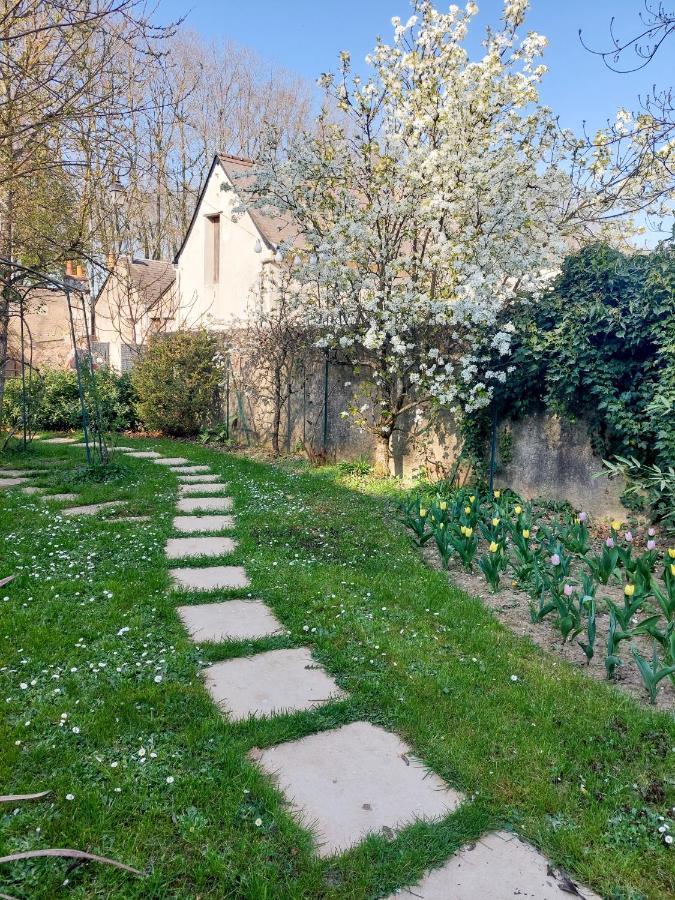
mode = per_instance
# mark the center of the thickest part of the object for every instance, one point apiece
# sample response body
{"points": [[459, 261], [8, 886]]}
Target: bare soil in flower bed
{"points": [[512, 607]]}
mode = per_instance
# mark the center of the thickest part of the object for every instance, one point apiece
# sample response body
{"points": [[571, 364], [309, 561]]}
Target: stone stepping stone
{"points": [[500, 866], [132, 519], [201, 489], [212, 504], [196, 524], [190, 470], [270, 683], [183, 548], [232, 620], [61, 498], [59, 440], [172, 461], [198, 479], [121, 449], [89, 510], [32, 490], [18, 473], [210, 578], [12, 482], [144, 454], [355, 780]]}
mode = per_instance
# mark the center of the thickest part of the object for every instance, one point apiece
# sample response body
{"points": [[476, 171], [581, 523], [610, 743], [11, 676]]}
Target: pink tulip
{"points": [[555, 560], [651, 532], [582, 516], [568, 590], [629, 536], [651, 545], [610, 542]]}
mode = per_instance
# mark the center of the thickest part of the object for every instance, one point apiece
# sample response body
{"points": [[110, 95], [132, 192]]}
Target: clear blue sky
{"points": [[307, 35]]}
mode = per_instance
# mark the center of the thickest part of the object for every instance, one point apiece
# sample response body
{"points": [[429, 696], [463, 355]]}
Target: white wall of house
{"points": [[216, 295]]}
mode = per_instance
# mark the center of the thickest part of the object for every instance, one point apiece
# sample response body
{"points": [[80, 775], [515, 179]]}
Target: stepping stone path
{"points": [[499, 866], [200, 489], [344, 783], [275, 682], [196, 524], [233, 620], [89, 510], [184, 548], [193, 504], [210, 578], [12, 482], [197, 479], [356, 780]]}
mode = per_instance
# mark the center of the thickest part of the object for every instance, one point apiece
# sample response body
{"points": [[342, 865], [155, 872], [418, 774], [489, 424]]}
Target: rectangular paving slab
{"points": [[144, 454], [189, 470], [232, 620], [198, 479], [32, 490], [500, 867], [89, 510], [171, 461], [186, 490], [12, 482], [212, 504], [183, 548], [198, 524], [270, 683], [59, 440], [210, 578], [351, 781], [61, 498]]}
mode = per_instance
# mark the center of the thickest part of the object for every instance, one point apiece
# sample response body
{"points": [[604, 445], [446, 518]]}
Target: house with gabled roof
{"points": [[222, 259], [137, 299]]}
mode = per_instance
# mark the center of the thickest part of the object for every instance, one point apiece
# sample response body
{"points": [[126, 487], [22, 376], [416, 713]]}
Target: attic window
{"points": [[212, 249]]}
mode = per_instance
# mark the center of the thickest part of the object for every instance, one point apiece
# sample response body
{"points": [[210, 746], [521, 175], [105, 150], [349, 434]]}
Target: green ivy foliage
{"points": [[600, 345]]}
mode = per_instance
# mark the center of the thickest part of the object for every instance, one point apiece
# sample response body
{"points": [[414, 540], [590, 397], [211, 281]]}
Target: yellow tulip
{"points": [[671, 552], [672, 569], [629, 590], [615, 525], [467, 510], [517, 510], [495, 522], [526, 533], [423, 513], [472, 498], [468, 532], [494, 546], [443, 505], [498, 494], [463, 530], [442, 525]]}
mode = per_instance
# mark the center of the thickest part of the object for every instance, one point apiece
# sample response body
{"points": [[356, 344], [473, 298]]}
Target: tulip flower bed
{"points": [[575, 577]]}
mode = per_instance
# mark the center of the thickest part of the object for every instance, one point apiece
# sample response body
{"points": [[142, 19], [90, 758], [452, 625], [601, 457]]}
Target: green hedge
{"points": [[54, 401]]}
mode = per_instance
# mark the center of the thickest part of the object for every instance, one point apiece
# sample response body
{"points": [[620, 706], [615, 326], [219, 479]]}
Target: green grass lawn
{"points": [[103, 702]]}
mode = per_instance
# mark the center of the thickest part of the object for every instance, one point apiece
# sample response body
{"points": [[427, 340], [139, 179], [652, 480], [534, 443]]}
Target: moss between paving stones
{"points": [[572, 766]]}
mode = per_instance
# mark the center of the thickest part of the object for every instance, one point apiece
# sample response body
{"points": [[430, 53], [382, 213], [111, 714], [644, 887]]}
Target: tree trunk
{"points": [[382, 452], [276, 421]]}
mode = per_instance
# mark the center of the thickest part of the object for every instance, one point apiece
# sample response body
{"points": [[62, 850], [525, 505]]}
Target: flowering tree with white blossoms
{"points": [[442, 192]]}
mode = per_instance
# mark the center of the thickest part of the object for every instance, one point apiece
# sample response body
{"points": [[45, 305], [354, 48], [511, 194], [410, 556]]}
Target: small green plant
{"points": [[414, 514], [491, 565], [604, 565], [652, 673], [588, 646], [465, 542], [443, 543]]}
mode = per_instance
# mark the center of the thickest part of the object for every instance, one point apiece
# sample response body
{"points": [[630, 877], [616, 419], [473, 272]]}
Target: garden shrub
{"points": [[178, 382], [54, 400]]}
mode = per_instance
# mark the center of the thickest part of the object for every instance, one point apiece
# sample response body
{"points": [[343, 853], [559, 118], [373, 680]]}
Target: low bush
{"points": [[178, 382], [53, 401]]}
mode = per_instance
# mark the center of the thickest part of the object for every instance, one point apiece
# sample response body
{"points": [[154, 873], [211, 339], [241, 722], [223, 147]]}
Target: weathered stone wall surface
{"points": [[552, 457], [549, 457]]}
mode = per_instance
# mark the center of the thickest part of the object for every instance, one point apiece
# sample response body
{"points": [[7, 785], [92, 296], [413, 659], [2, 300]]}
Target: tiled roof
{"points": [[151, 277]]}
